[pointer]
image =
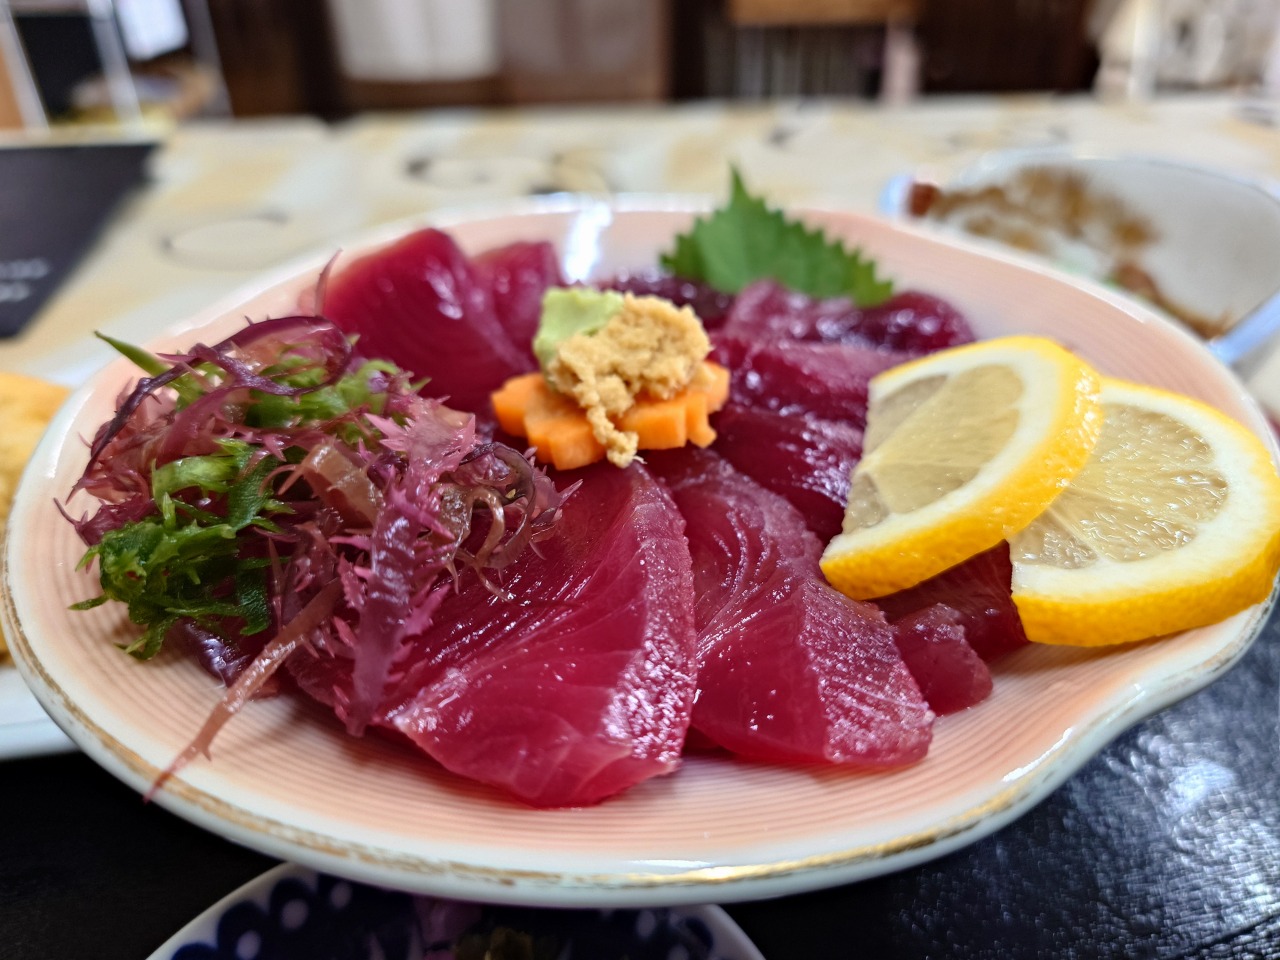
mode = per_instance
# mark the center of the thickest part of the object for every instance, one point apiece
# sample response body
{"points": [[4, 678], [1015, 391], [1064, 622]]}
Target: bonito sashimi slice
{"points": [[800, 378], [788, 669], [578, 684], [978, 589], [806, 460], [426, 306]]}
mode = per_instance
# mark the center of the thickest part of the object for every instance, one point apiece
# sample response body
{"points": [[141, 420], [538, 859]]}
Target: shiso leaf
{"points": [[746, 241]]}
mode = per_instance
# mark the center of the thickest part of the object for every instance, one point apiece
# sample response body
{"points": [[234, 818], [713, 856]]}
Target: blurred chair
{"points": [[584, 50], [794, 47], [1005, 46], [398, 41], [422, 53], [761, 13], [415, 53]]}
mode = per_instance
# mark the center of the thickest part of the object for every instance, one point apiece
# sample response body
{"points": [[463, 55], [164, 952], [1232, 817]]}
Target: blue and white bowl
{"points": [[291, 913]]}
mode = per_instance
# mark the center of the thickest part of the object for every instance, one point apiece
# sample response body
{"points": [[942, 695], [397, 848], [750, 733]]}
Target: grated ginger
{"points": [[650, 347]]}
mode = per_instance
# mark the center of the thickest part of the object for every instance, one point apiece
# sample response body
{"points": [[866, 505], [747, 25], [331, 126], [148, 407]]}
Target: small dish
{"points": [[1207, 241], [1200, 245], [292, 913], [284, 778]]}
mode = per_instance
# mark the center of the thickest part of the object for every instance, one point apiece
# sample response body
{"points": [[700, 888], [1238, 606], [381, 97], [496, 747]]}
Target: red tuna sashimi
{"points": [[709, 304], [516, 277], [979, 590], [577, 686], [788, 669], [949, 672], [806, 460], [910, 322], [422, 304], [766, 310], [827, 380], [913, 322]]}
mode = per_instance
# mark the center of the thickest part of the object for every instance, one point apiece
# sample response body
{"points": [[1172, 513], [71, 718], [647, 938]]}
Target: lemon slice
{"points": [[963, 448], [1174, 523]]}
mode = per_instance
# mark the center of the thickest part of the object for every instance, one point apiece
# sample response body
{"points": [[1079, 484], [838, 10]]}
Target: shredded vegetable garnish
{"points": [[276, 495]]}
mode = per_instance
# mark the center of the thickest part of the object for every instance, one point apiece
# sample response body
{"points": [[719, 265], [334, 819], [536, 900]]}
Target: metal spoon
{"points": [[1243, 346]]}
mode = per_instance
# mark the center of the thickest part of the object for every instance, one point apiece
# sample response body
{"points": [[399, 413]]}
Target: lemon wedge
{"points": [[1174, 523], [963, 448]]}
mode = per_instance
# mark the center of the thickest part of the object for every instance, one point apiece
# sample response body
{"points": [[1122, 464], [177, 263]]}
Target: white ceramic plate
{"points": [[285, 780], [292, 913]]}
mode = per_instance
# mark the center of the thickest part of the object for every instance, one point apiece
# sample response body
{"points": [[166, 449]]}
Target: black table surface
{"points": [[1167, 844]]}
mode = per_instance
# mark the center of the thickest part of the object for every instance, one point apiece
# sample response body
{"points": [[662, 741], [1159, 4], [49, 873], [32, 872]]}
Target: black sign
{"points": [[53, 202]]}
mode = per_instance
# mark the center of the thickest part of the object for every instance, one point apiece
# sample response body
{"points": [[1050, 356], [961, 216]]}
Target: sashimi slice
{"points": [[422, 304], [806, 460], [766, 310], [949, 672], [910, 322], [979, 590], [576, 685], [913, 322], [827, 380], [788, 669], [516, 276], [709, 304]]}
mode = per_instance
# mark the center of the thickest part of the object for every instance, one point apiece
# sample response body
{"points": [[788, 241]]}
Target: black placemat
{"points": [[54, 200]]}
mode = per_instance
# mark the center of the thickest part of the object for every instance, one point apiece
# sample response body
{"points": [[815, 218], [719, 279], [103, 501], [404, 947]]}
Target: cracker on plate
{"points": [[27, 404]]}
